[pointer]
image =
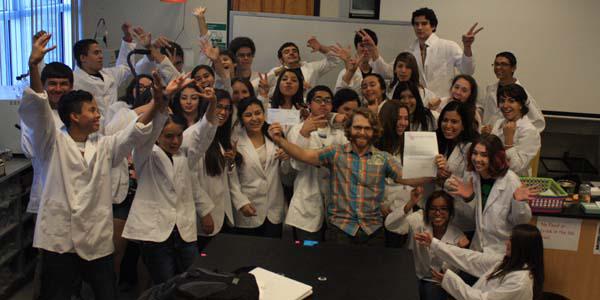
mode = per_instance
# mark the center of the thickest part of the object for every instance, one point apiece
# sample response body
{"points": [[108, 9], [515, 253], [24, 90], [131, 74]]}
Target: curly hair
{"points": [[373, 120]]}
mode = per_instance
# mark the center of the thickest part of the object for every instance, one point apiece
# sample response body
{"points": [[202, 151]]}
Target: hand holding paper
{"points": [[420, 150], [283, 116]]}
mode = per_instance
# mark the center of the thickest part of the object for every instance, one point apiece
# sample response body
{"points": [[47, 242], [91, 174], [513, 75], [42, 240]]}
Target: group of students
{"points": [[182, 157]]}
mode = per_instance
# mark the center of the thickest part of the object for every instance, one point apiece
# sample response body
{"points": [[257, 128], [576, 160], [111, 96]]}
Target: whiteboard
{"points": [[270, 31]]}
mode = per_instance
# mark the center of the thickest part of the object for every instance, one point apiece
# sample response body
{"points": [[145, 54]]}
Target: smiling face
{"points": [[56, 87], [452, 125], [480, 160], [170, 138], [245, 58], [402, 123], [223, 110], [253, 118], [93, 60], [321, 103], [361, 132], [88, 120], [439, 212], [461, 90], [290, 56], [503, 69], [240, 91], [511, 108], [189, 100], [407, 98], [204, 78], [371, 89], [403, 72], [289, 84]]}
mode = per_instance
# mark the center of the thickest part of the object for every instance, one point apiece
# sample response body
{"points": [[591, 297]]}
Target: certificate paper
{"points": [[420, 149], [283, 116]]}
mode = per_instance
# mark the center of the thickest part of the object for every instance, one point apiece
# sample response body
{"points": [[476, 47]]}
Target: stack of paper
{"points": [[273, 286]]}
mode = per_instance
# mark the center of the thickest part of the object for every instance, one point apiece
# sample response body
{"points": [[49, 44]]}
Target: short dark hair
{"points": [[438, 194], [200, 67], [228, 54], [318, 88], [428, 13], [508, 55], [358, 38], [285, 45], [245, 82], [57, 70], [498, 163], [411, 62], [81, 48], [72, 102], [176, 48], [176, 119], [344, 95], [516, 92], [241, 42]]}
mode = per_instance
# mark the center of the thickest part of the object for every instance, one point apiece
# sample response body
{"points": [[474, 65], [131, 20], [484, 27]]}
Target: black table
{"points": [[350, 272]]}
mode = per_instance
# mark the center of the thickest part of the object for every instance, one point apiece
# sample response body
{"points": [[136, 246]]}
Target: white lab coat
{"points": [[443, 56], [494, 223], [105, 91], [214, 198], [35, 195], [412, 223], [526, 144], [516, 285], [464, 213], [257, 185], [75, 213], [164, 197], [311, 186], [491, 112]]}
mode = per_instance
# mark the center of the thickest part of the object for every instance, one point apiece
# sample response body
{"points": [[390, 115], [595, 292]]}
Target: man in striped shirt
{"points": [[358, 172]]}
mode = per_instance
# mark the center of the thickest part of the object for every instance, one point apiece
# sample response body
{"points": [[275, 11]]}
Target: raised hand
{"points": [[281, 154], [263, 85], [423, 238], [434, 103], [199, 12], [509, 129], [143, 37], [457, 187], [469, 37], [275, 132], [209, 50], [442, 165], [344, 53], [39, 49], [126, 28], [526, 193], [178, 83], [314, 44], [208, 94], [312, 123], [159, 99], [369, 43], [162, 42]]}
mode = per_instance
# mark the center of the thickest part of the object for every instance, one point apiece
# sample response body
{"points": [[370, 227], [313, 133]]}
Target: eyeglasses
{"points": [[223, 107], [321, 101], [504, 65], [361, 128], [244, 55], [443, 209]]}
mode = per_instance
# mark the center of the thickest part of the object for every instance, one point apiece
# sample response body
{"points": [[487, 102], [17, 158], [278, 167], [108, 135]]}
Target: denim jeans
{"points": [[61, 273], [267, 229], [169, 258], [431, 291], [337, 236]]}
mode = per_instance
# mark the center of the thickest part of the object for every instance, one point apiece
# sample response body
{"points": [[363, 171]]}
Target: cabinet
{"points": [[17, 256]]}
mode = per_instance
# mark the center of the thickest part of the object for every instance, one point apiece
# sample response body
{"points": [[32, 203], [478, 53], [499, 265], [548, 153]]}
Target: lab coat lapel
{"points": [[245, 145], [498, 187], [164, 164], [270, 153]]}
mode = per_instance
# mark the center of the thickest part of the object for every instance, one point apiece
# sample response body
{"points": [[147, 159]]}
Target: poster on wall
{"points": [[560, 233], [218, 34], [597, 240]]}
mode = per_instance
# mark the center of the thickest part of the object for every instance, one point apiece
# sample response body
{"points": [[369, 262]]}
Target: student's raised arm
{"points": [[304, 155]]}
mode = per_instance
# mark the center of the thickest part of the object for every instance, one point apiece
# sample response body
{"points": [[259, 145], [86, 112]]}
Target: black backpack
{"points": [[202, 284]]}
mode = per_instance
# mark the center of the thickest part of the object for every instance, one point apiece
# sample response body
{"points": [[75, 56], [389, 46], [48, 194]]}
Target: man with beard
{"points": [[357, 179]]}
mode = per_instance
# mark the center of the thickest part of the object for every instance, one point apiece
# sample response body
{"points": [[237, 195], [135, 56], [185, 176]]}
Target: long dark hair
{"points": [[468, 133], [176, 104], [439, 194], [214, 161], [390, 141], [243, 105], [297, 98], [139, 100], [526, 253], [421, 115], [411, 62], [472, 100]]}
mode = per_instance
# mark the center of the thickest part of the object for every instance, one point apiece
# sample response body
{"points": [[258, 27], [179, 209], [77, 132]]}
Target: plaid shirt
{"points": [[357, 186]]}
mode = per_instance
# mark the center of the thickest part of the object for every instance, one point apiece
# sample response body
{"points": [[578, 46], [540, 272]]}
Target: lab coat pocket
{"points": [[146, 220]]}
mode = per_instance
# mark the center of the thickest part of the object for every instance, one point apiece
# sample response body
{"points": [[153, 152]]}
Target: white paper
{"points": [[560, 233], [273, 286], [597, 240], [283, 116], [420, 149]]}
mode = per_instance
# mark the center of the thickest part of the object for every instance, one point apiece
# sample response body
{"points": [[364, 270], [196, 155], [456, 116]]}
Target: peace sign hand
{"points": [[209, 94], [178, 83], [199, 12], [263, 85], [39, 50], [469, 37]]}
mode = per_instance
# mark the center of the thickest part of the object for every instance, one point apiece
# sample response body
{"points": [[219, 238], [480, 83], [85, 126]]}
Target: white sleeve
{"points": [[121, 72], [204, 204], [379, 66], [136, 134], [472, 262], [197, 139], [522, 152], [324, 65], [202, 58], [465, 64], [513, 286], [143, 150], [295, 137], [238, 198], [144, 66], [167, 70], [36, 114], [535, 114]]}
